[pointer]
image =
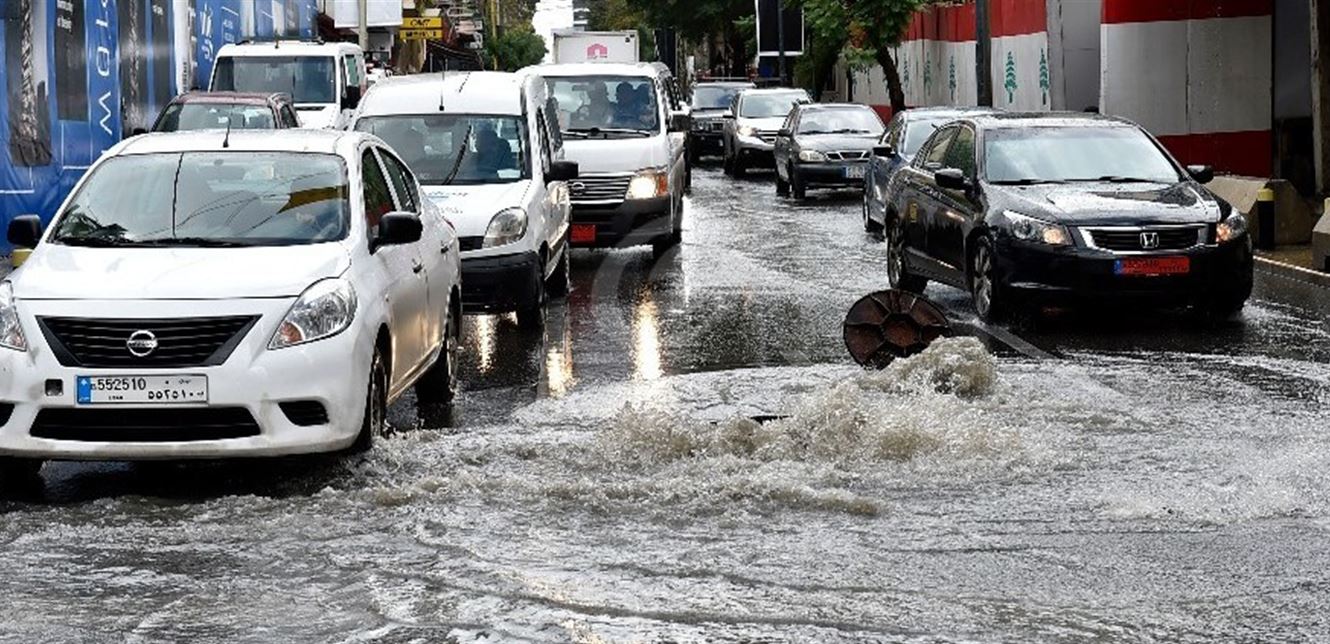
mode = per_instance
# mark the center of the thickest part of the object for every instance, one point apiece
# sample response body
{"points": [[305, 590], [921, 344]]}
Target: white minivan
{"points": [[488, 153], [620, 124], [325, 80]]}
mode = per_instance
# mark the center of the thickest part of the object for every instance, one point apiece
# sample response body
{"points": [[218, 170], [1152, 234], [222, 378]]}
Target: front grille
{"points": [[1136, 240], [767, 136], [602, 188], [144, 425], [180, 342], [305, 413], [848, 155], [470, 243]]}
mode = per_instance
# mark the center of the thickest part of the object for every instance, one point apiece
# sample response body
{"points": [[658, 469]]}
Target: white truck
{"points": [[574, 46]]}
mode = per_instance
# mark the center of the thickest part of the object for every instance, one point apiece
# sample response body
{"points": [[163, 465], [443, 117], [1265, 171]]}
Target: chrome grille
{"points": [[594, 189], [177, 342], [767, 136], [848, 155], [1146, 239]]}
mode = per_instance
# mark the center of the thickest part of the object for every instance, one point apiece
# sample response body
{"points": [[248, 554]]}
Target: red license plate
{"points": [[584, 233], [1154, 266]]}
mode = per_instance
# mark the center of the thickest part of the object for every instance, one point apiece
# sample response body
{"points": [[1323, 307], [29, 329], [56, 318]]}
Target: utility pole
{"points": [[983, 54], [780, 39], [362, 30]]}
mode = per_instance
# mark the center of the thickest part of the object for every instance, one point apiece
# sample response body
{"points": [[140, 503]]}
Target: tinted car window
{"points": [[936, 150], [770, 105], [714, 98], [401, 181], [1074, 154], [308, 79], [961, 153], [289, 117], [202, 198], [918, 131], [606, 102], [378, 199], [456, 148], [213, 116]]}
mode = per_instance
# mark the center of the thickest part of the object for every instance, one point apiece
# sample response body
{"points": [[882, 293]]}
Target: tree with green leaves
{"points": [[1011, 84], [698, 21], [1044, 83], [873, 29], [515, 48]]}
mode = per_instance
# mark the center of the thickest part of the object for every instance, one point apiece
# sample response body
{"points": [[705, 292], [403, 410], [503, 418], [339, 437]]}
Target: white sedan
{"points": [[206, 294]]}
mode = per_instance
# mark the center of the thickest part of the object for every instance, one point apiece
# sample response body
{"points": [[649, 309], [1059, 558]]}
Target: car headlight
{"points": [[648, 184], [1233, 227], [812, 156], [11, 332], [1026, 228], [322, 311], [747, 130], [506, 227]]}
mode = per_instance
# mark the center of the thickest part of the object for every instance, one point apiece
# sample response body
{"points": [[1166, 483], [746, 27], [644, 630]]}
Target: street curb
{"points": [[1292, 272]]}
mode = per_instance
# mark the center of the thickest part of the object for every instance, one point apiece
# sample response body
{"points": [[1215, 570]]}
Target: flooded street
{"points": [[1109, 478]]}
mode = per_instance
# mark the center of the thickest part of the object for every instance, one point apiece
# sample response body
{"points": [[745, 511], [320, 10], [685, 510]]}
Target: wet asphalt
{"points": [[1116, 475]]}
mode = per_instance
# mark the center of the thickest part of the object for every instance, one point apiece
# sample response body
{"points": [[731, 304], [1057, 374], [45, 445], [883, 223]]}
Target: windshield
{"points": [[613, 105], [209, 199], [205, 116], [456, 148], [714, 98], [917, 132], [840, 121], [762, 106], [308, 79], [1074, 154]]}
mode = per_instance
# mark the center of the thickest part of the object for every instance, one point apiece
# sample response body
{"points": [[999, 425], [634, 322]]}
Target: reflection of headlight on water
{"points": [[485, 343], [646, 341]]}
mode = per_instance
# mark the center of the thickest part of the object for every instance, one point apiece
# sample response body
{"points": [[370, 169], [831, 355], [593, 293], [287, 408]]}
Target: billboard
{"points": [[79, 75]]}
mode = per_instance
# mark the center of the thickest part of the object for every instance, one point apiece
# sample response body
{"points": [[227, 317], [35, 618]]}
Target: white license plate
{"points": [[854, 172], [128, 390]]}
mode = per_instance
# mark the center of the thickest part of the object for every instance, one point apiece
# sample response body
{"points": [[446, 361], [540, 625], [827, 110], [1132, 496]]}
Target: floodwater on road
{"points": [[1129, 479]]}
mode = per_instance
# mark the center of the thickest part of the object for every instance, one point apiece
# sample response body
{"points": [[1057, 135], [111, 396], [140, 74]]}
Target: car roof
{"points": [[739, 84], [594, 69], [470, 92], [289, 140], [293, 47], [246, 98], [764, 91], [1047, 119], [946, 111], [813, 107]]}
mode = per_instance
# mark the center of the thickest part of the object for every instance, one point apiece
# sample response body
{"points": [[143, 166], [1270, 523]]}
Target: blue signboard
{"points": [[79, 75]]}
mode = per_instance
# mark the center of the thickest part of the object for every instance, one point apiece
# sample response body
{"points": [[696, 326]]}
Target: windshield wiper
{"points": [[1113, 178], [94, 242], [588, 132], [850, 131], [461, 154], [201, 242], [1026, 182]]}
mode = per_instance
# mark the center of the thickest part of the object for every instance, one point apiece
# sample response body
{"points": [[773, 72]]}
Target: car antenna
{"points": [[226, 140], [443, 88]]}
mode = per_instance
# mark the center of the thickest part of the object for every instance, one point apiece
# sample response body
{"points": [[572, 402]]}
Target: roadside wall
{"points": [[1196, 73], [79, 74]]}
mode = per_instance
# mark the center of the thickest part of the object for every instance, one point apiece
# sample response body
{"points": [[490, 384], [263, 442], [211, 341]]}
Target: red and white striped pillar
{"points": [[1196, 73]]}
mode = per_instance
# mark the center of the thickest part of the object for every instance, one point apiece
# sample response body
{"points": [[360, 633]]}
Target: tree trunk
{"points": [[894, 89]]}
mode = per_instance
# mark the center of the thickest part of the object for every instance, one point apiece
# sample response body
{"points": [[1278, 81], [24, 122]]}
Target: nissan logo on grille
{"points": [[141, 343], [1149, 241]]}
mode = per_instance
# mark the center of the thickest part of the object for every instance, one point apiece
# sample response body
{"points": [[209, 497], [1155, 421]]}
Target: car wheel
{"points": [[439, 384], [19, 474], [797, 188], [727, 162], [533, 315], [782, 186], [739, 166], [870, 226], [560, 283], [989, 299], [375, 423], [898, 274]]}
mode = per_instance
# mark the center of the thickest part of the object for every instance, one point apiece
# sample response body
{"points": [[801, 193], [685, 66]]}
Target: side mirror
{"points": [[1201, 173], [884, 150], [137, 131], [680, 122], [352, 98], [951, 179], [397, 228], [25, 231], [562, 171], [728, 115], [784, 133]]}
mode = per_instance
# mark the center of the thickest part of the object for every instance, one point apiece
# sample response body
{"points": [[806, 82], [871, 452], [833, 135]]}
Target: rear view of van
{"points": [[622, 127], [325, 80]]}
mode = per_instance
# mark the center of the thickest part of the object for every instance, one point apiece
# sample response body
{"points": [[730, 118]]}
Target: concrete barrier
{"points": [[1293, 217]]}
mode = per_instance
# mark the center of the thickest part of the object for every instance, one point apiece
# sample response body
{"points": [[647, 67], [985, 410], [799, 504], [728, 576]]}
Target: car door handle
{"points": [[416, 267]]}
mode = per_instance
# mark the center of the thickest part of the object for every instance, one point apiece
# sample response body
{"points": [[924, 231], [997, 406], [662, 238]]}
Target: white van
{"points": [[620, 125], [326, 80], [486, 152]]}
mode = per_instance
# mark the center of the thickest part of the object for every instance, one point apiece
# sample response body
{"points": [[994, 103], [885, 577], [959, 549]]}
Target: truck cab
{"points": [[325, 80]]}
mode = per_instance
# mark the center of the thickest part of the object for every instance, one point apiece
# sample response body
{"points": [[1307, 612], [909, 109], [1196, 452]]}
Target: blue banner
{"points": [[79, 75]]}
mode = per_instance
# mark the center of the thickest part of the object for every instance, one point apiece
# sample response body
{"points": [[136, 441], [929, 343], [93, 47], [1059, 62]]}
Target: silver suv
{"points": [[751, 126]]}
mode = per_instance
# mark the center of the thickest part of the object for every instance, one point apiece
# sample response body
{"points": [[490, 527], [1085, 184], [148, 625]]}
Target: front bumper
{"points": [[628, 223], [832, 173], [707, 142], [751, 146], [1078, 275], [333, 372], [500, 284]]}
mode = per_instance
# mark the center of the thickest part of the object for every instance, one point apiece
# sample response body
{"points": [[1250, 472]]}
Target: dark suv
{"points": [[220, 110], [711, 100]]}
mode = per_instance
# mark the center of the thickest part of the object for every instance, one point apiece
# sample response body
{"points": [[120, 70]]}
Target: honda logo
{"points": [[141, 343], [1149, 241]]}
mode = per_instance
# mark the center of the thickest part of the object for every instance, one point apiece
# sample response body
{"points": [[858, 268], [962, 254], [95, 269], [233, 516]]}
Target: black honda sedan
{"points": [[826, 144], [1057, 209]]}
